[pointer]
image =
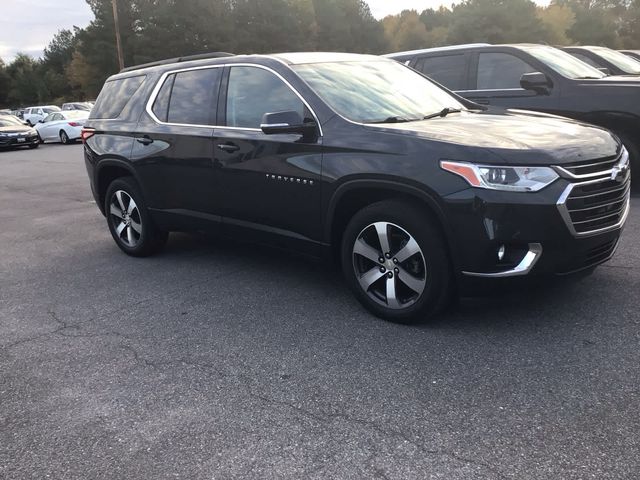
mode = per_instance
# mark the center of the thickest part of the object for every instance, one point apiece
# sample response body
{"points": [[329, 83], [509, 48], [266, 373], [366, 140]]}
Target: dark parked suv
{"points": [[406, 183], [536, 77]]}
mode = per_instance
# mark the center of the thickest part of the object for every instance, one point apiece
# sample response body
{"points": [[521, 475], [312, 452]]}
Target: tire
{"points": [[417, 255], [35, 145], [131, 227], [64, 138]]}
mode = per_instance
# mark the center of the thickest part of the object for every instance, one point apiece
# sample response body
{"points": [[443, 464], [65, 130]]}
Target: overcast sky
{"points": [[28, 25]]}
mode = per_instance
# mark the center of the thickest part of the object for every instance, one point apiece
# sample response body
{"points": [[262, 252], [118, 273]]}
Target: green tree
{"points": [[405, 31], [496, 21]]}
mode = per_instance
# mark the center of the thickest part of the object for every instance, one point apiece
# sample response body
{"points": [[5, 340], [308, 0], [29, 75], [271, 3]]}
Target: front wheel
{"points": [[129, 221], [395, 261]]}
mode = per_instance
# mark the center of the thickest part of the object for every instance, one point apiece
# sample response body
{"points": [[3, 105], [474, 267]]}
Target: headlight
{"points": [[513, 179], [33, 131]]}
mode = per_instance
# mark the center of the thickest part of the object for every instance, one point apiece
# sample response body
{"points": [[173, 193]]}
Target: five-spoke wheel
{"points": [[396, 262], [129, 220], [389, 265]]}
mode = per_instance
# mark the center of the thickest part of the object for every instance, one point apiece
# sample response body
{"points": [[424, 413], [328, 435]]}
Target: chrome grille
{"points": [[591, 167], [601, 203]]}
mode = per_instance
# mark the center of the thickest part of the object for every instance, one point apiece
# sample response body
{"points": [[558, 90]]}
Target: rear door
{"points": [[450, 70], [268, 183], [173, 148]]}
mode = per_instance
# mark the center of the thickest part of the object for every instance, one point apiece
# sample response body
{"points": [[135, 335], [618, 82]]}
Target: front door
{"points": [[267, 183], [497, 83]]}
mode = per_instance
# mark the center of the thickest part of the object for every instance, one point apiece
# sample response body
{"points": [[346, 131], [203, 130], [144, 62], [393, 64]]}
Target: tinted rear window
{"points": [[448, 70], [115, 95]]}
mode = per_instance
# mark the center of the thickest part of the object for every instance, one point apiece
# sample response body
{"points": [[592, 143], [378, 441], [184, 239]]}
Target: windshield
{"points": [[620, 60], [375, 91], [564, 63], [50, 109], [6, 121]]}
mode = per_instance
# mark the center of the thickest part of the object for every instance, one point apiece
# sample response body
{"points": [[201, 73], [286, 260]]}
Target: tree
{"points": [[5, 84], [405, 31], [496, 21], [558, 20]]}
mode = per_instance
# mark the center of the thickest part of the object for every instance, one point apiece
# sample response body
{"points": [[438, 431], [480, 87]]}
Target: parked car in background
{"points": [[33, 115], [615, 62], [14, 133], [5, 112], [411, 187], [536, 77], [64, 126], [78, 106], [635, 54]]}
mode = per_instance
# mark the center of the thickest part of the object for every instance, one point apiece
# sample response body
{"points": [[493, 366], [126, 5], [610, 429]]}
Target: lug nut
{"points": [[382, 269], [388, 255], [390, 274], [381, 259], [397, 270], [395, 260]]}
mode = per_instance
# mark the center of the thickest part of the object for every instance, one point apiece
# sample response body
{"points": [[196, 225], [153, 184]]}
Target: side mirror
{"points": [[536, 81], [605, 70], [41, 121], [286, 122]]}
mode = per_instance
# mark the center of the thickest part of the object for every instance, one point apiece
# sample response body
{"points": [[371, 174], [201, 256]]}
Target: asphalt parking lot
{"points": [[218, 360]]}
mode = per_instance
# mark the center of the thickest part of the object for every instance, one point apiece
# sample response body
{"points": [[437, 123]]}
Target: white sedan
{"points": [[65, 127]]}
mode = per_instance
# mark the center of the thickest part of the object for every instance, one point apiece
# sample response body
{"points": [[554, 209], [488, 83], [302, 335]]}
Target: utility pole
{"points": [[118, 40]]}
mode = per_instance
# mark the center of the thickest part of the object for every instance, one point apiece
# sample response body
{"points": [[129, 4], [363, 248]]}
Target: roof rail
{"points": [[200, 56]]}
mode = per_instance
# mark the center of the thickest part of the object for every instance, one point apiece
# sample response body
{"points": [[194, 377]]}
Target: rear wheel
{"points": [[129, 221], [395, 261], [64, 138]]}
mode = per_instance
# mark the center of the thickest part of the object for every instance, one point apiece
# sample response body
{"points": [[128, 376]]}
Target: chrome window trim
{"points": [[564, 211], [163, 77]]}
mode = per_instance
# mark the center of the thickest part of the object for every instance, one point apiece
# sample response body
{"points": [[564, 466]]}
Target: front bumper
{"points": [[18, 140], [506, 234]]}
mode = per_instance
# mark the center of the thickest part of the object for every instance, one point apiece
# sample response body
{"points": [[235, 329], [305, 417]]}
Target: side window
{"points": [[161, 103], [449, 70], [49, 118], [194, 96], [253, 92], [56, 117], [501, 70], [588, 60], [115, 95]]}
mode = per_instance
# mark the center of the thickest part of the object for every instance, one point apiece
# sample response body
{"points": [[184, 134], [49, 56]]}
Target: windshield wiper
{"points": [[396, 120], [443, 113]]}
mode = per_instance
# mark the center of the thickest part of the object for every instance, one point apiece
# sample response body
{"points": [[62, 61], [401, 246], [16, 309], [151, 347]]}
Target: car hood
{"points": [[15, 129], [534, 137]]}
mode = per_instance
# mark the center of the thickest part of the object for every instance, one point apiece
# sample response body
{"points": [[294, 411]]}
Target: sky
{"points": [[28, 25]]}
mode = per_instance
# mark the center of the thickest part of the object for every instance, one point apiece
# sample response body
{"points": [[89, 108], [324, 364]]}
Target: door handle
{"points": [[146, 140], [228, 147]]}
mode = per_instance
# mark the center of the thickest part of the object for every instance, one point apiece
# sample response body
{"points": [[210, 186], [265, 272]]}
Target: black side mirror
{"points": [[40, 121], [286, 122], [536, 81], [605, 70]]}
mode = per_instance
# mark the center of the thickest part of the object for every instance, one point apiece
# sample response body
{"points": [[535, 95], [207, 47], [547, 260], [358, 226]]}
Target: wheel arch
{"points": [[109, 170], [354, 195]]}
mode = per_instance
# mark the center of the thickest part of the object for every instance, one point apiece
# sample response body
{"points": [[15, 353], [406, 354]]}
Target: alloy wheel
{"points": [[389, 265], [126, 218]]}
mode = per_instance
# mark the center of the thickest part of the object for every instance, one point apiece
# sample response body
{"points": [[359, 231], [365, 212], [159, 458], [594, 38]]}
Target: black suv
{"points": [[359, 156], [536, 77], [616, 63]]}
